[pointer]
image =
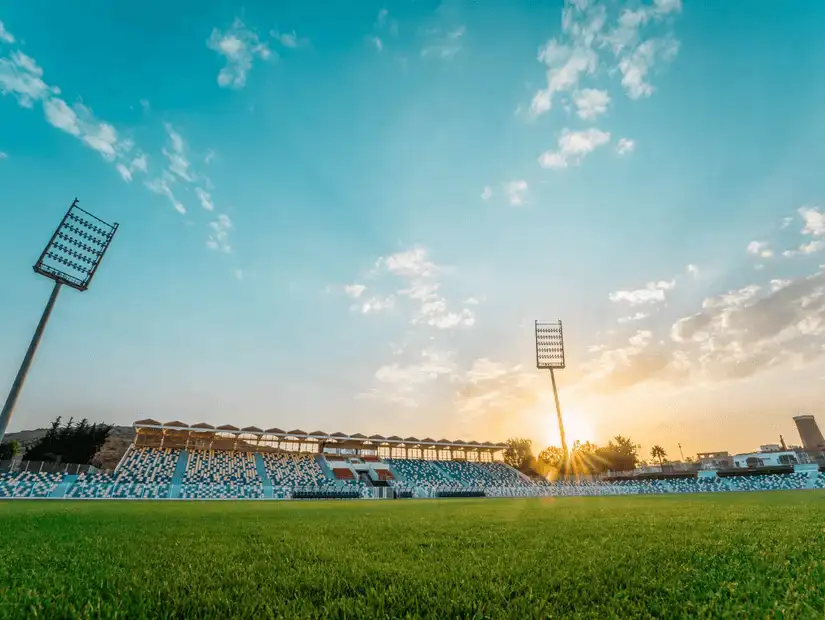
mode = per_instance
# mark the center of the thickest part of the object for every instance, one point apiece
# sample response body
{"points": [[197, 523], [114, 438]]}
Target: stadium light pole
{"points": [[71, 258], [550, 356]]}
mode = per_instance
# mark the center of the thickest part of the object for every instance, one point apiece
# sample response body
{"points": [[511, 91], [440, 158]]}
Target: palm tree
{"points": [[658, 452]]}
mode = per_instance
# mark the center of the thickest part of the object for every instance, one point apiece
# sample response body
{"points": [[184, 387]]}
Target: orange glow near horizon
{"points": [[577, 425]]}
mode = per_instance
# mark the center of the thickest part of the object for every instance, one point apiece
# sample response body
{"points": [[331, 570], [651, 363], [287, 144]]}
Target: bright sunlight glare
{"points": [[577, 426]]}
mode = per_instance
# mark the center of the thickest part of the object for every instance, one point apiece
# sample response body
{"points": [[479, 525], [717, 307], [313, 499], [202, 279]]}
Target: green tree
{"points": [[72, 443], [586, 459], [9, 450], [519, 453], [658, 452], [620, 454], [551, 458]]}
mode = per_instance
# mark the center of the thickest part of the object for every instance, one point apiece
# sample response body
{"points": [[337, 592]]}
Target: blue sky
{"points": [[346, 216]]}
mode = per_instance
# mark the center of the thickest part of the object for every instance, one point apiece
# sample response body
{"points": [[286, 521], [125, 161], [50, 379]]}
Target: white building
{"points": [[769, 459]]}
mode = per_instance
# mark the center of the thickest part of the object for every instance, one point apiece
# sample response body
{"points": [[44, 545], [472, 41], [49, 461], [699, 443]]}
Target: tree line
{"points": [[72, 442], [620, 454]]}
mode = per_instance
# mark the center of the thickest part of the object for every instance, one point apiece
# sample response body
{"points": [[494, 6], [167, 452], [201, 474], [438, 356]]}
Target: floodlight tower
{"points": [[550, 356], [71, 257]]}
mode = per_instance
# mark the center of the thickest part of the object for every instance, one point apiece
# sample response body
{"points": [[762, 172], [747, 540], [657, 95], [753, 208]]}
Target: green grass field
{"points": [[749, 556]]}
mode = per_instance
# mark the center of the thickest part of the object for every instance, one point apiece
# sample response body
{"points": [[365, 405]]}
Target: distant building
{"points": [[771, 447], [809, 432], [714, 460], [769, 459]]}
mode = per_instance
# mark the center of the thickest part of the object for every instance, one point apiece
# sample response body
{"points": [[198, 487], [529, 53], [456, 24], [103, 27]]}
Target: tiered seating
{"points": [[222, 491], [293, 470], [504, 476], [769, 482], [100, 485], [149, 465], [28, 484], [219, 474], [220, 467], [466, 474], [420, 473]]}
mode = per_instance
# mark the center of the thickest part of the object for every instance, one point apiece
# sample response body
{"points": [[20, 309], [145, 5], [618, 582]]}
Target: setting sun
{"points": [[576, 428], [577, 425]]}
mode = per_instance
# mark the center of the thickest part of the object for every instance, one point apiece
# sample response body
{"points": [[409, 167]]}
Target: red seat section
{"points": [[343, 473]]}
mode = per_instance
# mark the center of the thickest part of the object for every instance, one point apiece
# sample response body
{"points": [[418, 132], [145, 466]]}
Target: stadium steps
{"points": [[62, 489], [260, 467], [521, 475], [180, 471], [444, 471], [394, 472], [813, 476], [322, 463]]}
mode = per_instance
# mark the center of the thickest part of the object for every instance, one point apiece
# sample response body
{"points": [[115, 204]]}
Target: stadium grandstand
{"points": [[202, 462]]}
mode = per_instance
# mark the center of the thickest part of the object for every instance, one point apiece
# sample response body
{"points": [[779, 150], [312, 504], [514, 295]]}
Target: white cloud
{"points": [[759, 248], [444, 44], [125, 173], [487, 193], [653, 292], [436, 314], [636, 65], [634, 317], [400, 382], [22, 77], [411, 263], [736, 297], [625, 146], [60, 115], [3, 155], [102, 138], [573, 147], [814, 221], [219, 239], [5, 35], [205, 199], [163, 186], [812, 247], [289, 39], [376, 41], [591, 103], [587, 31], [178, 162], [516, 192], [238, 273], [741, 332], [355, 290], [140, 163], [692, 270], [565, 65], [778, 284], [378, 303], [421, 286], [239, 47], [491, 387]]}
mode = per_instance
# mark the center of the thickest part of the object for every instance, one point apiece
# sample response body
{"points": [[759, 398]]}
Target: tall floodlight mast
{"points": [[71, 257], [550, 356]]}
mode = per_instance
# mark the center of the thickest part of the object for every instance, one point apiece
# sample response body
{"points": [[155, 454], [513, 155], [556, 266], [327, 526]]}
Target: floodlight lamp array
{"points": [[76, 248], [549, 346]]}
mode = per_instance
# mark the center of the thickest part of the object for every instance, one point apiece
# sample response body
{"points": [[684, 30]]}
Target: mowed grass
{"points": [[752, 555]]}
